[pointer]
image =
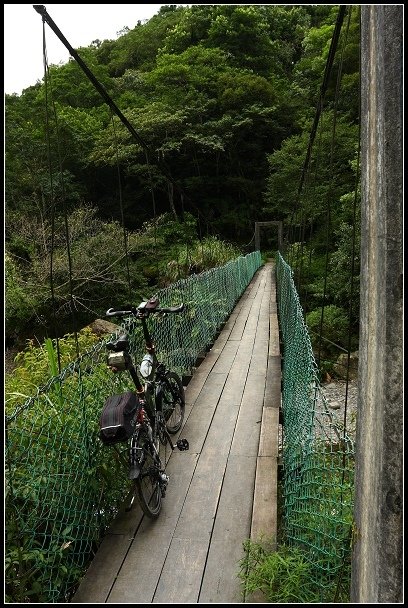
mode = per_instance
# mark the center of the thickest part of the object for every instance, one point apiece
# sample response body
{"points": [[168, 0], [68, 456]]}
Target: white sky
{"points": [[80, 24]]}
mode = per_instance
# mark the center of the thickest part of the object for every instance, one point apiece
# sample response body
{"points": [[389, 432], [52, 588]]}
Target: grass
{"points": [[294, 573]]}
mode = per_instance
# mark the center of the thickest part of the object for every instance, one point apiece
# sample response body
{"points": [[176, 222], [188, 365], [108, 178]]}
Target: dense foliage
{"points": [[224, 97]]}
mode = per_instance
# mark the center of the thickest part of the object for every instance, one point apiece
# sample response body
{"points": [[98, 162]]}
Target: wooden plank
{"points": [[127, 522], [237, 376], [180, 580], [197, 515], [221, 430], [195, 429], [224, 363], [211, 391], [273, 383], [200, 375], [259, 362], [255, 386], [246, 436], [195, 386], [264, 519], [221, 583], [235, 384], [232, 527], [241, 322], [268, 440], [274, 344], [193, 532], [102, 572]]}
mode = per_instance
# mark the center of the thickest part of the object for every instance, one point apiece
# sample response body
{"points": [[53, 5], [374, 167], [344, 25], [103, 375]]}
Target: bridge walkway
{"points": [[223, 490]]}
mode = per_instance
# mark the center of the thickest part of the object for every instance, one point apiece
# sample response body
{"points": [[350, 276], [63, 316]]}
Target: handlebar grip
{"points": [[174, 309], [111, 312], [144, 310]]}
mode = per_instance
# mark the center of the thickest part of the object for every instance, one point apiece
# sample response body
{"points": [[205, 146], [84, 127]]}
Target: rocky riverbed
{"points": [[335, 393]]}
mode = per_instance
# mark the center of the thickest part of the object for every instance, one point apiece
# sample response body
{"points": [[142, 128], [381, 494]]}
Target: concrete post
{"points": [[378, 546]]}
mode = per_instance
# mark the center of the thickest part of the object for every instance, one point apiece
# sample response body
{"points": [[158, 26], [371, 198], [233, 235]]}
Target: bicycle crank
{"points": [[182, 444]]}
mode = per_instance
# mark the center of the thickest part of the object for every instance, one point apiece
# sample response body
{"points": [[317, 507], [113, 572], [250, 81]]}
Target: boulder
{"points": [[340, 367], [100, 327]]}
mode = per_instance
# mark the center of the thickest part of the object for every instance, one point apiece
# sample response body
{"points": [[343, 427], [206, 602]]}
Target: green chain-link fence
{"points": [[63, 488], [318, 455]]}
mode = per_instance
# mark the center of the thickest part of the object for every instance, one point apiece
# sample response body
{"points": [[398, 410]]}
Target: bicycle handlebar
{"points": [[144, 309]]}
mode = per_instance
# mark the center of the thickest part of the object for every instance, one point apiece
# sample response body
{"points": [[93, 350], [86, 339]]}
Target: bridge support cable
{"points": [[323, 89], [319, 110], [329, 234], [122, 216], [49, 101]]}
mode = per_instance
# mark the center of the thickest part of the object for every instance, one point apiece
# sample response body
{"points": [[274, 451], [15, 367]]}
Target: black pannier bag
{"points": [[118, 418]]}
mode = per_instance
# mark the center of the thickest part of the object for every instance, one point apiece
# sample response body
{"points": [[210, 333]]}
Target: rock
{"points": [[340, 367], [101, 327], [335, 394]]}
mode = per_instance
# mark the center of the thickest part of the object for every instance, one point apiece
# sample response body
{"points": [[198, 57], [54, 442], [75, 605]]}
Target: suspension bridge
{"points": [[223, 491]]}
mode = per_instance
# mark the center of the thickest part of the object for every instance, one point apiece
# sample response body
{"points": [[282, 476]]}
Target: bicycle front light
{"points": [[117, 360]]}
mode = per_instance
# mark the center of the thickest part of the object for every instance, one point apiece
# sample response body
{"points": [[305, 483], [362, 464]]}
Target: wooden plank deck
{"points": [[222, 491]]}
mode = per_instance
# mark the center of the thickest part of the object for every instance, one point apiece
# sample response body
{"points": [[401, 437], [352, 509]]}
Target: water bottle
{"points": [[146, 366]]}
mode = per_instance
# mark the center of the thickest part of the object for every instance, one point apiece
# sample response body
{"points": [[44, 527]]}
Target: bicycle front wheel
{"points": [[173, 402], [148, 483]]}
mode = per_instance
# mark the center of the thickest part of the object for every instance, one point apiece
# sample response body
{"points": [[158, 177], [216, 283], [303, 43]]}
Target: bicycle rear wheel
{"points": [[173, 402], [148, 483]]}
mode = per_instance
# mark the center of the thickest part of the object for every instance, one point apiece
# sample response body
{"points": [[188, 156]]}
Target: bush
{"points": [[334, 330], [19, 303], [35, 365], [283, 576]]}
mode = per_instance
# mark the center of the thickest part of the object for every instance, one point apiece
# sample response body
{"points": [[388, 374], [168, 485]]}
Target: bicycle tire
{"points": [[173, 401], [147, 484]]}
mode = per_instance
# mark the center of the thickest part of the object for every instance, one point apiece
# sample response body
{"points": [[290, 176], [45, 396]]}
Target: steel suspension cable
{"points": [[319, 109], [47, 130], [328, 216], [353, 253], [125, 235], [72, 304], [323, 89], [149, 170], [313, 180], [53, 198]]}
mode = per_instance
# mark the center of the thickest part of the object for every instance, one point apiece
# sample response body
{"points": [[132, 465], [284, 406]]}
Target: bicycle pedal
{"points": [[182, 444]]}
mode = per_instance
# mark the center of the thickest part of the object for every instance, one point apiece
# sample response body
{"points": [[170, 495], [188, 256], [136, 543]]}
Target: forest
{"points": [[222, 99]]}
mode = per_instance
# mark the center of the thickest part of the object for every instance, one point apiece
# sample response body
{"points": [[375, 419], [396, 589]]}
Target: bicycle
{"points": [[148, 416]]}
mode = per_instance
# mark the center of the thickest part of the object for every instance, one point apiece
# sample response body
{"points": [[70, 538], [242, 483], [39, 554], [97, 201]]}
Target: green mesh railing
{"points": [[63, 488], [318, 455]]}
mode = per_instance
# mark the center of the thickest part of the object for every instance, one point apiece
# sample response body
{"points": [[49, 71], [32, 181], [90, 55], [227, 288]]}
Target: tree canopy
{"points": [[224, 97]]}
